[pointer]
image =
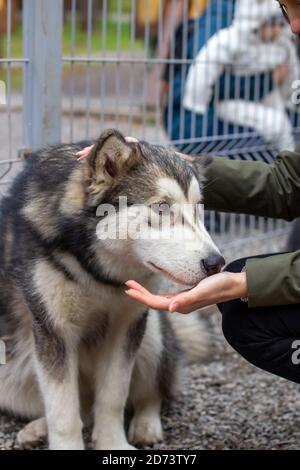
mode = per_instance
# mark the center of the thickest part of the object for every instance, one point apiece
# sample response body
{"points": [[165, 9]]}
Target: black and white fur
{"points": [[78, 349]]}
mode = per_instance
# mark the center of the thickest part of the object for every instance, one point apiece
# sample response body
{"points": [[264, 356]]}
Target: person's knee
{"points": [[237, 326], [232, 323], [239, 331]]}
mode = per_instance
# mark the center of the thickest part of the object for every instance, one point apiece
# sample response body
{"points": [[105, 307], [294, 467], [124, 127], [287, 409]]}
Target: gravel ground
{"points": [[226, 403], [230, 404]]}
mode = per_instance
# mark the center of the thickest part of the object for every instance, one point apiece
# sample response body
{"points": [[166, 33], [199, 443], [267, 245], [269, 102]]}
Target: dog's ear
{"points": [[110, 159]]}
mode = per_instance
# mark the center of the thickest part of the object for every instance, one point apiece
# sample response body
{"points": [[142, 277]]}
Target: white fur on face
{"points": [[194, 194], [176, 248], [170, 189], [179, 252]]}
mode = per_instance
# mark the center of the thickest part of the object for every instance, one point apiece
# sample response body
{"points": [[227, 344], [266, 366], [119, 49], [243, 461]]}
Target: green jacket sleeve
{"points": [[274, 280], [265, 190], [270, 190]]}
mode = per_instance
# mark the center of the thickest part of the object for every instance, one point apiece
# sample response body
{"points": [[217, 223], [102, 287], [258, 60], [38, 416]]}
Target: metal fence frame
{"points": [[42, 96], [42, 74]]}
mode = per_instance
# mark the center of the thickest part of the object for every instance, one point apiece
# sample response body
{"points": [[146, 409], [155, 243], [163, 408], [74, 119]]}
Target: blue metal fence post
{"points": [[42, 40]]}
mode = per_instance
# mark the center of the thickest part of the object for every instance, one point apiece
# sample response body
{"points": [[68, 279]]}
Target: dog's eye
{"points": [[161, 208]]}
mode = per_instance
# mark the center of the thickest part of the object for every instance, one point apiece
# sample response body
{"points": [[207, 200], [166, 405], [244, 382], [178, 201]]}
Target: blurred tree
{"points": [[148, 12], [3, 15], [3, 20]]}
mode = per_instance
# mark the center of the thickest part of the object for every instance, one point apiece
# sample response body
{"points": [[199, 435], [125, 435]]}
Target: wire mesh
{"points": [[212, 77]]}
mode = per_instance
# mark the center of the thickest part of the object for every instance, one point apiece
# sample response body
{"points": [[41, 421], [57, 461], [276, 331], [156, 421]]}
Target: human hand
{"points": [[84, 153], [214, 289]]}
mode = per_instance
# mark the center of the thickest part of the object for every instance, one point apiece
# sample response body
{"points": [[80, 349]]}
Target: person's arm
{"points": [[265, 190], [205, 70], [269, 190], [274, 280]]}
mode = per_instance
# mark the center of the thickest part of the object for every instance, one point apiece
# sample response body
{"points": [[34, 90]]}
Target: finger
{"points": [[158, 302], [185, 299], [81, 157], [168, 296], [84, 153], [153, 301], [135, 285], [174, 295], [81, 152], [131, 140]]}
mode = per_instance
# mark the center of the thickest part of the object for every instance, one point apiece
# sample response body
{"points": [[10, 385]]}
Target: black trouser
{"points": [[265, 336]]}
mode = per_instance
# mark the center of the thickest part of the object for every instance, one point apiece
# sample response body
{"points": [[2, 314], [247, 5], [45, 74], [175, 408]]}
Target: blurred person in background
{"points": [[255, 64], [190, 36], [239, 83], [256, 49], [159, 20]]}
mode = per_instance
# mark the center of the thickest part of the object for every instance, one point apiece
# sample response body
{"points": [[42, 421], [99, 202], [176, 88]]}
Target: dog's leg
{"points": [[145, 397], [112, 386], [57, 370], [145, 427], [112, 391], [54, 304], [155, 377]]}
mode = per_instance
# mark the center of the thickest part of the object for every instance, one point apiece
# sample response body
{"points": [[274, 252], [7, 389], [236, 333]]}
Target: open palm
{"points": [[214, 289]]}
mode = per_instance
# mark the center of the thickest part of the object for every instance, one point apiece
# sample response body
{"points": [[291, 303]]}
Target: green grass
{"points": [[97, 46], [126, 6], [110, 42], [16, 44], [16, 78]]}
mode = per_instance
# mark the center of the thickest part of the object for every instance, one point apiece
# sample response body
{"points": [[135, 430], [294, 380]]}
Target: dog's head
{"points": [[149, 202]]}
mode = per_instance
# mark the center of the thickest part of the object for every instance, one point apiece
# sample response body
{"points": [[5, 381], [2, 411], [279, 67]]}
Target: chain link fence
{"points": [[211, 77]]}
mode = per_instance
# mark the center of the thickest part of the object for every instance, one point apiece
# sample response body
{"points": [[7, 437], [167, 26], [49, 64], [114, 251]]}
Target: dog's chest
{"points": [[80, 302], [109, 315], [103, 306]]}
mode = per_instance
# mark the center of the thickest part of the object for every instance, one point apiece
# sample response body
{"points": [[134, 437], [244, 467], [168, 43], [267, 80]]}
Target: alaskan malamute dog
{"points": [[77, 347]]}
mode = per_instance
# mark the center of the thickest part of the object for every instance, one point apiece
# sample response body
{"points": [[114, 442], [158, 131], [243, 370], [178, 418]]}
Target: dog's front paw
{"points": [[32, 434], [125, 447], [145, 430], [113, 446]]}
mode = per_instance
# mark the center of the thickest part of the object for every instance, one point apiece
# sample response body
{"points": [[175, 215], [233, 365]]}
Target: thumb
{"points": [[183, 300]]}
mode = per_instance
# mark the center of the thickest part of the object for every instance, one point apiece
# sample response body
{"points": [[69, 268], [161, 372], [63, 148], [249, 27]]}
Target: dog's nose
{"points": [[213, 264]]}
